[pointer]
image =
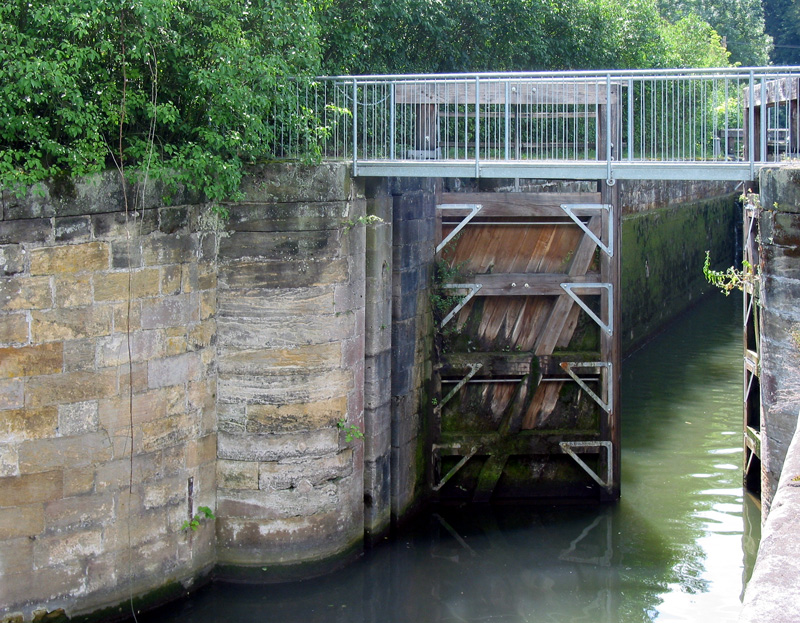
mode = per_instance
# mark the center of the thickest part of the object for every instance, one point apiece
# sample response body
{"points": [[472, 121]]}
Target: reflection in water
{"points": [[671, 550]]}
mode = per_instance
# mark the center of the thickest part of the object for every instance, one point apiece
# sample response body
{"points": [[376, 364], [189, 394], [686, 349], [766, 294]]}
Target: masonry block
{"points": [[27, 230], [285, 389], [282, 274], [12, 259], [24, 293], [173, 370], [13, 329], [120, 286], [18, 425], [116, 225], [71, 323], [65, 548], [174, 249], [39, 455], [165, 432], [21, 521], [73, 290], [270, 447], [79, 354], [304, 500], [287, 183], [69, 259], [292, 473], [173, 311], [287, 418], [73, 229], [9, 460], [70, 387], [79, 512], [237, 474], [11, 394], [31, 360], [31, 488], [77, 418]]}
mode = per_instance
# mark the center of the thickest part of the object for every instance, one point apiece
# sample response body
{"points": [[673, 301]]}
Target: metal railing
{"points": [[692, 124]]}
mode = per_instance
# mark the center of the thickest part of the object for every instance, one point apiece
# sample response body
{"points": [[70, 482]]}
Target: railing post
{"points": [[392, 120], [630, 120], [508, 121], [609, 134], [751, 120], [477, 126], [355, 128], [764, 126]]}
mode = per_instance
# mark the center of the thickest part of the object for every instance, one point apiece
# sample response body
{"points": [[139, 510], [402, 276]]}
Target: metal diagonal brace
{"points": [[567, 367], [473, 290], [607, 249], [567, 447], [473, 369], [474, 209], [569, 287], [455, 468]]}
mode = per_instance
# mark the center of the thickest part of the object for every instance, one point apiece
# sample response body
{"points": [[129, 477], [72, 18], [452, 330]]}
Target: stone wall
{"points": [[413, 246], [663, 251], [779, 347], [291, 368], [240, 362], [106, 344]]}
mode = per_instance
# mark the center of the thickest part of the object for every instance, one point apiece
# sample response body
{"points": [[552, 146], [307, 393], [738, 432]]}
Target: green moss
{"points": [[169, 591], [662, 258]]}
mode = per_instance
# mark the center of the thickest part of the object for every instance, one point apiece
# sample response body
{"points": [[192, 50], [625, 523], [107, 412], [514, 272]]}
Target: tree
{"points": [[739, 22], [187, 88], [782, 20], [401, 36]]}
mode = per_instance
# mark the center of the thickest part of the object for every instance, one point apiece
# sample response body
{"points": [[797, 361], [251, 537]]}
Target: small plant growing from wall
{"points": [[204, 513], [730, 279], [351, 431], [361, 220]]}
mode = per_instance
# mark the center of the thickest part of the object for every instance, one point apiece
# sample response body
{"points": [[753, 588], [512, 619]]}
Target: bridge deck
{"points": [[672, 124]]}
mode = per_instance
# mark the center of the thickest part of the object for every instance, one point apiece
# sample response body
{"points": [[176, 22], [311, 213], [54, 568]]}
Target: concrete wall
{"points": [[106, 344]]}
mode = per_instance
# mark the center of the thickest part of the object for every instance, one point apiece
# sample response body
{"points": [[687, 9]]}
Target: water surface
{"points": [[672, 550]]}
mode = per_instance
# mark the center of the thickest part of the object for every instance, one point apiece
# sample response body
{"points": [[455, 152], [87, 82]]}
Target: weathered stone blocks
{"points": [[102, 354]]}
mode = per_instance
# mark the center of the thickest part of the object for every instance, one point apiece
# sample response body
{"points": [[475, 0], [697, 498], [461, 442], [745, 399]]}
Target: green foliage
{"points": [[361, 220], [351, 431], [730, 279], [691, 42], [740, 22], [782, 23], [204, 513], [402, 36], [185, 89]]}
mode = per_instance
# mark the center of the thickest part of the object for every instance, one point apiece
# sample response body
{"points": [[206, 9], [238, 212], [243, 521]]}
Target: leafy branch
{"points": [[730, 279]]}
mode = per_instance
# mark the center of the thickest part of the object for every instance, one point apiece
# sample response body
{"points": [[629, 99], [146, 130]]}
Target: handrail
{"points": [[693, 123]]}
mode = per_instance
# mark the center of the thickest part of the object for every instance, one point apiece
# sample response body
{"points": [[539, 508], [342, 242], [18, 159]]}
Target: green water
{"points": [[674, 548]]}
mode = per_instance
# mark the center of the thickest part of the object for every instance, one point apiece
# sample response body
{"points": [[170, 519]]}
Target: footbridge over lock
{"points": [[524, 397]]}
